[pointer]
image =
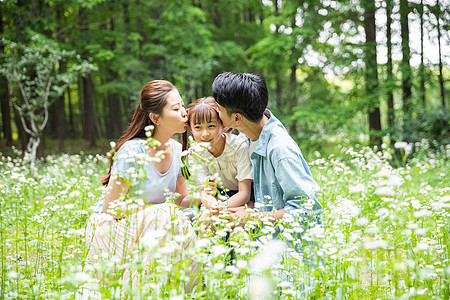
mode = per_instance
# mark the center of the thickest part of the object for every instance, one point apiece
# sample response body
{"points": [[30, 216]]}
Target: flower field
{"points": [[385, 235]]}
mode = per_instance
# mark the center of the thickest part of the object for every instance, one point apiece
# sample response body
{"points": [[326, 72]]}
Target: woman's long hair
{"points": [[152, 100]]}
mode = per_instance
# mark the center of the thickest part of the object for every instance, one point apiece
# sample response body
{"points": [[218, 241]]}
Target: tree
{"points": [[370, 56], [390, 75], [36, 81], [422, 65], [437, 13], [406, 56]]}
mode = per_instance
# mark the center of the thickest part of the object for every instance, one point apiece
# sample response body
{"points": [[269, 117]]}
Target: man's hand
{"points": [[235, 209]]}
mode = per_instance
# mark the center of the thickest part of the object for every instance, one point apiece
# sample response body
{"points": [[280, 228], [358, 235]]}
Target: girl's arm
{"points": [[115, 189], [243, 195]]}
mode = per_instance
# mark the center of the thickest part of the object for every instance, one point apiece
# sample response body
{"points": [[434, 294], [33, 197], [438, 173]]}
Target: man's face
{"points": [[227, 120]]}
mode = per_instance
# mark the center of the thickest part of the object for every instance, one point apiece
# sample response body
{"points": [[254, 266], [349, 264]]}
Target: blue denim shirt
{"points": [[281, 176]]}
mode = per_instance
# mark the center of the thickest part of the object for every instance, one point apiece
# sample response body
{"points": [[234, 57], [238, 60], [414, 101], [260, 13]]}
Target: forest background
{"points": [[338, 71]]}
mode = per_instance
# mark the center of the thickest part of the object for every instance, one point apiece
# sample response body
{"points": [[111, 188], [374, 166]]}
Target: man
{"points": [[283, 184]]}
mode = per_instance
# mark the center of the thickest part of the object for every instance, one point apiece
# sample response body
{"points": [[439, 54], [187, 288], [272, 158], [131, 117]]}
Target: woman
{"points": [[143, 172]]}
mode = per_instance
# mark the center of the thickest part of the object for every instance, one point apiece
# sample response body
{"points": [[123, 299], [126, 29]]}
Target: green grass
{"points": [[385, 235]]}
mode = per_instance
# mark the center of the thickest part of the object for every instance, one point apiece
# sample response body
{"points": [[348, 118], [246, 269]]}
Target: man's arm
{"points": [[298, 186]]}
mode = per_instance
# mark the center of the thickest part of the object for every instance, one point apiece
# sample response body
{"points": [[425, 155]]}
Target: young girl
{"points": [[136, 174], [227, 152]]}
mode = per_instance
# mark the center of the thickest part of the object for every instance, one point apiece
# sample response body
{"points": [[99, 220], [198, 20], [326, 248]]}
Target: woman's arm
{"points": [[243, 195], [115, 189], [184, 200]]}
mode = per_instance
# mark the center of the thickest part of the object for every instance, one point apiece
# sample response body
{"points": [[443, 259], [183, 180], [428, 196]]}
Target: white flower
{"points": [[13, 275], [269, 254], [370, 244], [81, 276], [55, 207], [232, 269], [395, 180], [357, 188], [112, 144], [69, 206], [260, 288], [385, 191], [421, 247], [149, 128], [152, 238], [400, 145], [75, 193], [423, 213], [287, 236], [241, 264], [362, 221], [218, 250], [382, 212], [416, 204]]}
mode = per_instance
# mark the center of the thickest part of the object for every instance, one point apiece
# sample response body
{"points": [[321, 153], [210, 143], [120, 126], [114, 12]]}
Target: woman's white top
{"points": [[232, 166], [134, 163]]}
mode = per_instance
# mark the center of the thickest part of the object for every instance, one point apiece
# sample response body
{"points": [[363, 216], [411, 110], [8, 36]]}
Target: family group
{"points": [[255, 170]]}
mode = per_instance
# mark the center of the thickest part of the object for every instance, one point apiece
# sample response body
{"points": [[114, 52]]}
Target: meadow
{"points": [[385, 235]]}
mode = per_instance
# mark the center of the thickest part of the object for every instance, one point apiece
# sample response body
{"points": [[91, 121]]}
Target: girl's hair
{"points": [[200, 111], [152, 100]]}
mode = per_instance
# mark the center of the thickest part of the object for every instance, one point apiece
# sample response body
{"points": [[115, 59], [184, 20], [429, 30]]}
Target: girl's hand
{"points": [[211, 204]]}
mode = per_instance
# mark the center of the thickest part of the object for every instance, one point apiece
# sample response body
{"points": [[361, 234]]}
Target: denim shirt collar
{"points": [[266, 133]]}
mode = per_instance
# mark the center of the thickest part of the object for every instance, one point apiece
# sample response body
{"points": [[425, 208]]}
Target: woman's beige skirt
{"points": [[147, 232]]}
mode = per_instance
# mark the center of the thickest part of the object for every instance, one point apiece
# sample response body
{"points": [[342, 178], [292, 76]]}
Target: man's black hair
{"points": [[243, 93]]}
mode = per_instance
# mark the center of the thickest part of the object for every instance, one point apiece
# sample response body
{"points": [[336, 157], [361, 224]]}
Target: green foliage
{"points": [[37, 75], [190, 42], [433, 126]]}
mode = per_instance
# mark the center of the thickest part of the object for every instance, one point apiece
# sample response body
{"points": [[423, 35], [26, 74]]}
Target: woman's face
{"points": [[173, 116], [207, 132]]}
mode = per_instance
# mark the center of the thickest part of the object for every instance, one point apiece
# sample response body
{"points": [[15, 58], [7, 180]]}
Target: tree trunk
{"points": [[23, 136], [6, 112], [126, 23], [72, 130], [422, 65], [60, 120], [88, 130], [406, 55], [59, 105], [115, 126], [88, 114], [4, 98], [441, 76], [370, 56], [390, 76]]}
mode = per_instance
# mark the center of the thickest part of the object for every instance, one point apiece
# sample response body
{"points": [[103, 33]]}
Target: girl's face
{"points": [[210, 132], [173, 116]]}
